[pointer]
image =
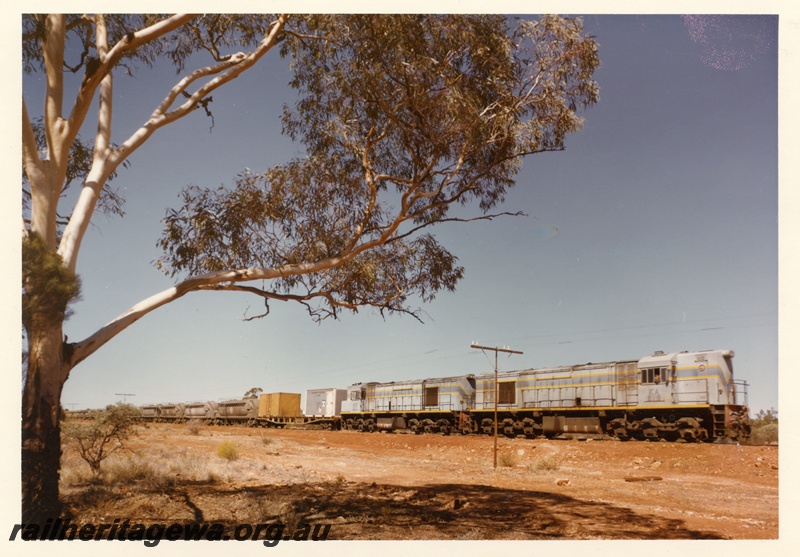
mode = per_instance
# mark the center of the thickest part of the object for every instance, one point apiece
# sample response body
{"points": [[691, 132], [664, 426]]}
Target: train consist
{"points": [[678, 396], [687, 396]]}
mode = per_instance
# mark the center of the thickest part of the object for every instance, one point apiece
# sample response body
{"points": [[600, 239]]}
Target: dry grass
{"points": [[507, 460], [194, 427], [546, 463], [162, 467], [265, 440], [228, 450]]}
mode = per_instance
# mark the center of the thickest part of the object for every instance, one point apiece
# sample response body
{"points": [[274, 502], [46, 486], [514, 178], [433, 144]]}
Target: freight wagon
{"points": [[269, 410]]}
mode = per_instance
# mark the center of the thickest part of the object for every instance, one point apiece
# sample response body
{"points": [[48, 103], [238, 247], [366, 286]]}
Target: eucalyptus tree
{"points": [[405, 121]]}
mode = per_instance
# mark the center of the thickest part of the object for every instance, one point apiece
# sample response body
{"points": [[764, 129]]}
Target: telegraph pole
{"points": [[124, 396], [496, 350]]}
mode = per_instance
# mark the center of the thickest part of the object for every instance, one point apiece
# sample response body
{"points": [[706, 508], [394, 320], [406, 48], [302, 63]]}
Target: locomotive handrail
{"points": [[737, 391]]}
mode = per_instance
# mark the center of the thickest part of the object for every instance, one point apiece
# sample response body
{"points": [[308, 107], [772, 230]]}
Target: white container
{"points": [[325, 402]]}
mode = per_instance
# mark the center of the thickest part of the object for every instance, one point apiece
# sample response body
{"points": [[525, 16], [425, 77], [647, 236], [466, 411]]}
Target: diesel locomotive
{"points": [[687, 396]]}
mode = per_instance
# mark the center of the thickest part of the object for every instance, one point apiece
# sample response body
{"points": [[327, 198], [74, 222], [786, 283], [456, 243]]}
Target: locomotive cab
{"points": [[356, 395], [657, 378]]}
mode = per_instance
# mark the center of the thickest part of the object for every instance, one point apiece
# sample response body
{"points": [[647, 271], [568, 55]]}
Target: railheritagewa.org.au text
{"points": [[152, 534]]}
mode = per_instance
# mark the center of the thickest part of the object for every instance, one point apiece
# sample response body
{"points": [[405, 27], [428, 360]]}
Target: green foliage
{"points": [[105, 436], [765, 417], [228, 450], [211, 33], [404, 120], [764, 427], [253, 393], [48, 287], [764, 434]]}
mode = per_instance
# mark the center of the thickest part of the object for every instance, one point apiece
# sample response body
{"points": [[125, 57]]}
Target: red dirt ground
{"points": [[399, 486]]}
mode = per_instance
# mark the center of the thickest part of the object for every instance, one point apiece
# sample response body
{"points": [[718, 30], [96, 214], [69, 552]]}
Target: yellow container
{"points": [[279, 405]]}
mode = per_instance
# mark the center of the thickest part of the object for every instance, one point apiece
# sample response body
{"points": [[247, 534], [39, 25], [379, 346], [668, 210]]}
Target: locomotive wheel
{"points": [[529, 428], [688, 436], [620, 434], [413, 426]]}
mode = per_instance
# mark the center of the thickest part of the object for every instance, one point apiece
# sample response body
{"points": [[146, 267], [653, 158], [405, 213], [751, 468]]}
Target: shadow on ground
{"points": [[358, 511]]}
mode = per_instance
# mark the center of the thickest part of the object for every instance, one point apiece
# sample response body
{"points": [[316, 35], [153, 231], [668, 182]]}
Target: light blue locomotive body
{"points": [[421, 406], [675, 396]]}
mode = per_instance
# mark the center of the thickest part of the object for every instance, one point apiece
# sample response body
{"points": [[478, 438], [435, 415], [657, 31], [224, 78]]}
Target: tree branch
{"points": [[455, 219], [225, 280], [88, 346], [108, 61], [84, 208]]}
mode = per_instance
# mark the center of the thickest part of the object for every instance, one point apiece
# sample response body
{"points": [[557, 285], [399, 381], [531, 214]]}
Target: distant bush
{"points": [[765, 417], [764, 427], [228, 451], [764, 434]]}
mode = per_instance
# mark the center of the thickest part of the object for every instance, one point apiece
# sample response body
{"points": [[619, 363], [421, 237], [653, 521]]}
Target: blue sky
{"points": [[656, 229]]}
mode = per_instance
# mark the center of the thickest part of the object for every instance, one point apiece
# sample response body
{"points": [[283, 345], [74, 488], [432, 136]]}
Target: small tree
{"points": [[106, 436], [765, 427], [766, 417], [253, 393]]}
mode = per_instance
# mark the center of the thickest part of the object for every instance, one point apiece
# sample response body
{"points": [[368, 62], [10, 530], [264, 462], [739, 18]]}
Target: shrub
{"points": [[228, 451], [194, 427], [764, 434], [546, 463], [105, 436], [137, 470], [764, 427], [506, 460], [266, 440]]}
